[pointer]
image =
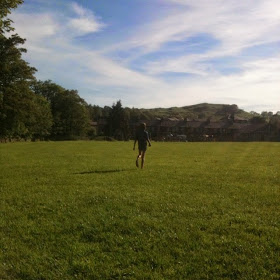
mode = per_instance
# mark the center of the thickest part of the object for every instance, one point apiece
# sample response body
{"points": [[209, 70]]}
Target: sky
{"points": [[157, 53]]}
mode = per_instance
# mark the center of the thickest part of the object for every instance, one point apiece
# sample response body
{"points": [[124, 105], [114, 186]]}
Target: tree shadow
{"points": [[104, 171]]}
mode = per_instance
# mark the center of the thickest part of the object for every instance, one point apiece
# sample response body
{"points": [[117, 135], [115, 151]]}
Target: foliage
{"points": [[22, 113], [267, 115], [69, 111], [258, 120], [118, 122], [96, 112], [5, 8], [82, 210], [198, 111], [275, 125], [41, 118]]}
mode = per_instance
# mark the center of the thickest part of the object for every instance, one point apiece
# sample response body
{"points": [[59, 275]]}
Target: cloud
{"points": [[84, 25], [86, 21], [258, 83], [235, 24], [35, 26], [58, 58], [79, 10], [102, 78]]}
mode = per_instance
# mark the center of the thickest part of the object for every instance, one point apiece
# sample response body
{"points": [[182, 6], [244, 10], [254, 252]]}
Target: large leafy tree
{"points": [[70, 112], [22, 113], [73, 115], [25, 115]]}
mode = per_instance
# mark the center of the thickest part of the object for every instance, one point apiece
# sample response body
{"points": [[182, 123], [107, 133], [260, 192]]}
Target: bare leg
{"points": [[143, 159], [139, 156]]}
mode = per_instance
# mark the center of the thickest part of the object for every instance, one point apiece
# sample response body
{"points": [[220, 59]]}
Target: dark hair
{"points": [[142, 126]]}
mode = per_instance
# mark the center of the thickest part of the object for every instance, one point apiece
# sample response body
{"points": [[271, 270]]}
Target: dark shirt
{"points": [[142, 137]]}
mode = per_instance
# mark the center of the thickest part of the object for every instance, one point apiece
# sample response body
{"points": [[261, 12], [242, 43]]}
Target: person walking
{"points": [[142, 137]]}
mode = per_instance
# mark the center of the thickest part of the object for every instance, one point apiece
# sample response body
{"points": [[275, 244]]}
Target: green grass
{"points": [[82, 210]]}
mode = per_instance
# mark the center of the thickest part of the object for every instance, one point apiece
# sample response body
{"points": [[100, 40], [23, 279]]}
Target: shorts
{"points": [[142, 147]]}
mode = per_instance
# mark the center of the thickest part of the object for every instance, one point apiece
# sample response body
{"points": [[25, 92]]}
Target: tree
{"points": [[258, 120], [74, 117], [275, 126], [25, 114], [254, 113], [118, 122], [5, 8], [275, 120], [227, 110], [19, 106], [95, 112], [135, 115], [41, 121], [70, 112], [266, 115]]}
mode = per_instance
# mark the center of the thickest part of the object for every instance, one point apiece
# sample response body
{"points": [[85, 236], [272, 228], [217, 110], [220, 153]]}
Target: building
{"points": [[227, 129]]}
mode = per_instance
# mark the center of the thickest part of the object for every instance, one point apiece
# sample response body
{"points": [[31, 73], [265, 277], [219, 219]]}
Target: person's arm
{"points": [[148, 139], [134, 144]]}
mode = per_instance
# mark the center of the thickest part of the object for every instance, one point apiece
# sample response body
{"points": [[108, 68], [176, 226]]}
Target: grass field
{"points": [[82, 210]]}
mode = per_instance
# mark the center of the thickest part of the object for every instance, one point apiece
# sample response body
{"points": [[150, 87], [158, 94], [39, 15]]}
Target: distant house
{"points": [[216, 131], [230, 128], [255, 132], [239, 120], [195, 130], [233, 131]]}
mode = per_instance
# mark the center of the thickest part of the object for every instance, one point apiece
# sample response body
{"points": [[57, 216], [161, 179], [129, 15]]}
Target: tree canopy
{"points": [[31, 109], [5, 9], [21, 110]]}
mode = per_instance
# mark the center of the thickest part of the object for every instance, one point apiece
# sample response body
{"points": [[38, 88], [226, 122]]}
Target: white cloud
{"points": [[79, 10], [35, 27], [84, 25], [62, 60], [42, 26], [236, 25], [259, 83], [86, 21]]}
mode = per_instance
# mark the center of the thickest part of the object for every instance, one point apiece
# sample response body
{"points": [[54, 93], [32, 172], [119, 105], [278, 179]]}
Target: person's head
{"points": [[143, 126]]}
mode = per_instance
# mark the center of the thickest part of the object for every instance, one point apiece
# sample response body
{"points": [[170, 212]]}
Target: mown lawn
{"points": [[82, 210]]}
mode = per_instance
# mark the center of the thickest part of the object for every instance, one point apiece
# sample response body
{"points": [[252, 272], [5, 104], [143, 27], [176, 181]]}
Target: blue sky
{"points": [[157, 53]]}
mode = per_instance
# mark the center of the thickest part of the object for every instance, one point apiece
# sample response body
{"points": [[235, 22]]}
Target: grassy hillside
{"points": [[82, 210], [199, 111]]}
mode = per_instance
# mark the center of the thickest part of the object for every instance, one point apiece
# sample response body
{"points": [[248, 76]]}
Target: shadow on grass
{"points": [[104, 171]]}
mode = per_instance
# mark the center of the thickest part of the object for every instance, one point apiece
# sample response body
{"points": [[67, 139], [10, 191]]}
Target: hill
{"points": [[198, 111]]}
